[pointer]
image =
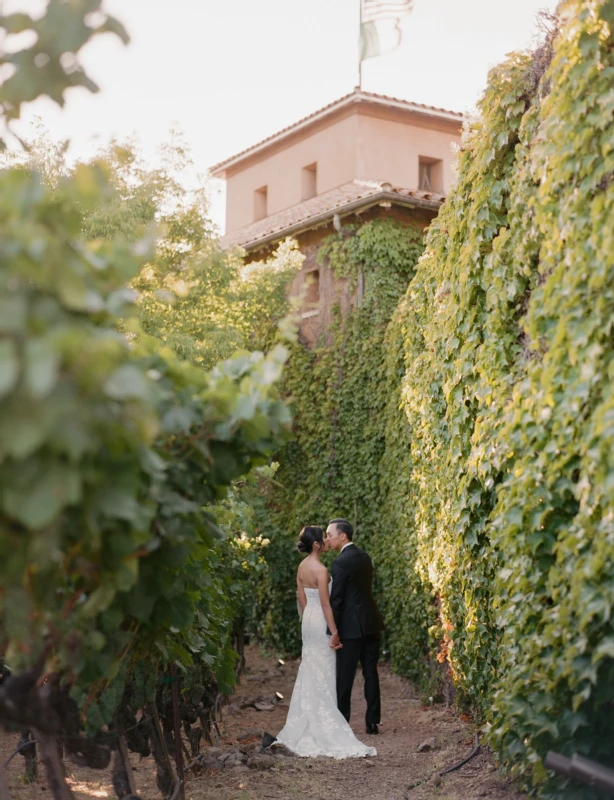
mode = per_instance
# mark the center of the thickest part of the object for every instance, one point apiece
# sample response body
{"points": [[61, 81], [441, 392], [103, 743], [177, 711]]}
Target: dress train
{"points": [[315, 726]]}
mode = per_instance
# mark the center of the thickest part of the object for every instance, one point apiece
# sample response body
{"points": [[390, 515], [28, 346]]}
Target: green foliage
{"points": [[112, 451], [242, 516], [558, 543], [138, 195], [49, 66], [464, 424], [351, 440], [108, 454], [203, 303], [211, 304], [509, 349], [452, 346], [405, 600], [469, 432]]}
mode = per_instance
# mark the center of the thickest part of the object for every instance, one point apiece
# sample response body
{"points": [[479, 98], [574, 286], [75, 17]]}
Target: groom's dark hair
{"points": [[343, 526]]}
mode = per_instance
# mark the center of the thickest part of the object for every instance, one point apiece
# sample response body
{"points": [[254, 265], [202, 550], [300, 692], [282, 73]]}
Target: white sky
{"points": [[231, 72]]}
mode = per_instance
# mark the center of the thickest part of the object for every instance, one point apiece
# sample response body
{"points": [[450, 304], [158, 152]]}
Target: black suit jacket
{"points": [[351, 597]]}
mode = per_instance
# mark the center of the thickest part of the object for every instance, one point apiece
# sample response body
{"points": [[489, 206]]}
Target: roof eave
{"points": [[220, 169], [342, 211]]}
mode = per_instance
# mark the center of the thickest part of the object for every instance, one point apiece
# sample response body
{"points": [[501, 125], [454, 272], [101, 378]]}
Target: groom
{"points": [[358, 621]]}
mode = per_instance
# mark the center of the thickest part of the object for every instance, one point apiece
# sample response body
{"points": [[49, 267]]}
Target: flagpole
{"points": [[360, 47]]}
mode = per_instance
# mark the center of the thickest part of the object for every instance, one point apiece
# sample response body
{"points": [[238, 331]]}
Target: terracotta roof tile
{"points": [[319, 209], [357, 95]]}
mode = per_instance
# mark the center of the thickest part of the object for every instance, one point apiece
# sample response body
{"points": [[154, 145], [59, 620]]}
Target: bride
{"points": [[315, 726]]}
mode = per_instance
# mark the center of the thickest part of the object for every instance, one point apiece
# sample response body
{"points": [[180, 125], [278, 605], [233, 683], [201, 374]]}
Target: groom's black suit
{"points": [[359, 624]]}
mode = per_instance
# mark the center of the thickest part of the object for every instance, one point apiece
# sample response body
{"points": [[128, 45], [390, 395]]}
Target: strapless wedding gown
{"points": [[315, 726]]}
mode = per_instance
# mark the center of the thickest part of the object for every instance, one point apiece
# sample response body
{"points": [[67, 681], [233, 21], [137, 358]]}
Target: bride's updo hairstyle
{"points": [[308, 537]]}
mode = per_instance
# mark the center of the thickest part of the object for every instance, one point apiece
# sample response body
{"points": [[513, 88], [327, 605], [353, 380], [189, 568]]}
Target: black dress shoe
{"points": [[372, 729], [267, 740]]}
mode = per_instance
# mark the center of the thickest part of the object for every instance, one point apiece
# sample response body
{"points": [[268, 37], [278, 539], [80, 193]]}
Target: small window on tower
{"points": [[430, 174], [424, 183], [260, 203], [309, 181], [312, 294]]}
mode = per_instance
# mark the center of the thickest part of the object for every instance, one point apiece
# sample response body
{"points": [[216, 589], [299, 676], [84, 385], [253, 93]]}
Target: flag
{"points": [[379, 28]]}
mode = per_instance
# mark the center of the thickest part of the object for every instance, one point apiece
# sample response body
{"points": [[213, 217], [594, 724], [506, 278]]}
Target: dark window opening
{"points": [[260, 203], [309, 180], [430, 175], [312, 289]]}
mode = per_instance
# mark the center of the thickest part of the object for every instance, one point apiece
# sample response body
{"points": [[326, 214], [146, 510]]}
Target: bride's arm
{"points": [[300, 596], [325, 600]]}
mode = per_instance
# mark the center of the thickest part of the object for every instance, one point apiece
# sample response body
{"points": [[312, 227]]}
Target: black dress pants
{"points": [[365, 650]]}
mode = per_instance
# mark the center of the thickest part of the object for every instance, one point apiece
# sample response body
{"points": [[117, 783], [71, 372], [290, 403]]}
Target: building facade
{"points": [[362, 157]]}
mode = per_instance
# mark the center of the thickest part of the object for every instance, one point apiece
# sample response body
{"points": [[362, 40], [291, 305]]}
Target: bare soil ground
{"points": [[397, 766]]}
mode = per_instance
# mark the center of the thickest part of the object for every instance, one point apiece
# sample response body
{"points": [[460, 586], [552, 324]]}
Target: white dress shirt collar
{"points": [[344, 546]]}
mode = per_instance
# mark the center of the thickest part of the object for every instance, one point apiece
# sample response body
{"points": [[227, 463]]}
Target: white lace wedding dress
{"points": [[315, 726]]}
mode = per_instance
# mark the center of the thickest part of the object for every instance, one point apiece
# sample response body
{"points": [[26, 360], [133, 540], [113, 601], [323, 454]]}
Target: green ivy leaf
{"points": [[9, 367]]}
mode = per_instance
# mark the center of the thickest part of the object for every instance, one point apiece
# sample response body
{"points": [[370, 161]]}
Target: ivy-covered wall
{"points": [[467, 425], [509, 399], [345, 398]]}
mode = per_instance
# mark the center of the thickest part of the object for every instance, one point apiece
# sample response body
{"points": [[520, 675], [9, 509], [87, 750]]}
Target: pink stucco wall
{"points": [[388, 150], [356, 146], [332, 148]]}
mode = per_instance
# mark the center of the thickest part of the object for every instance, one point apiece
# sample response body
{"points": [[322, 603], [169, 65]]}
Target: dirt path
{"points": [[405, 725]]}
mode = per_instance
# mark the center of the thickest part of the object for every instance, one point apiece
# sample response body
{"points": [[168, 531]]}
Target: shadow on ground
{"points": [[398, 765]]}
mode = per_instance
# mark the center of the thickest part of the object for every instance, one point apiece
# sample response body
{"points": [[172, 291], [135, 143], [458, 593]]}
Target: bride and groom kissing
{"points": [[341, 626]]}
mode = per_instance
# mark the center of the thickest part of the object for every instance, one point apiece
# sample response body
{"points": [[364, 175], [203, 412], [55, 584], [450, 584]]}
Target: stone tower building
{"points": [[362, 157]]}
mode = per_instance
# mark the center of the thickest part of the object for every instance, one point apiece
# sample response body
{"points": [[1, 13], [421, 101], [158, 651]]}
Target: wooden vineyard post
{"points": [[177, 726], [123, 779], [28, 751], [53, 765], [162, 758], [4, 786]]}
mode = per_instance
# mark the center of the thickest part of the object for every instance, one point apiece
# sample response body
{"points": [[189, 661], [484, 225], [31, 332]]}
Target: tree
{"points": [[110, 449], [193, 297]]}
